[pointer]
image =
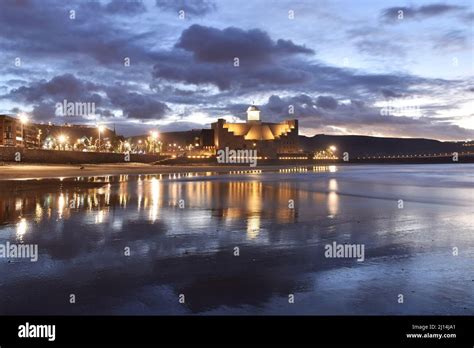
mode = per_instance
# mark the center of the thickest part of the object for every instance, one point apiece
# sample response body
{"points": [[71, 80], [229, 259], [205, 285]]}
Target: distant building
{"points": [[269, 139], [15, 133], [206, 140]]}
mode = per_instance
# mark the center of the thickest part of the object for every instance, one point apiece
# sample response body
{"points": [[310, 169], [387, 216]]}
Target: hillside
{"points": [[366, 145]]}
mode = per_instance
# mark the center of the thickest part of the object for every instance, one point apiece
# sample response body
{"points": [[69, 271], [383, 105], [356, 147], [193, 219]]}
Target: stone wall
{"points": [[8, 154]]}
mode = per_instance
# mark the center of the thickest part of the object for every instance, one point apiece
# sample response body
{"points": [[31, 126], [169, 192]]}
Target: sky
{"points": [[380, 68]]}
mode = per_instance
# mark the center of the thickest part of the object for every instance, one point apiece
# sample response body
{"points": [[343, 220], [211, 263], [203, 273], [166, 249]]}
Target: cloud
{"points": [[326, 102], [176, 67], [204, 66], [43, 112], [454, 40], [468, 18], [437, 9], [44, 95], [213, 45], [193, 7], [60, 87], [353, 117], [35, 30], [380, 48], [391, 14], [135, 105], [205, 55], [388, 93], [125, 7]]}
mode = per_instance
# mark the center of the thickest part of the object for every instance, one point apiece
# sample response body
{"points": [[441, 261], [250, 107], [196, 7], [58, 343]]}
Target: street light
{"points": [[23, 121], [100, 129], [154, 138], [332, 148], [62, 140]]}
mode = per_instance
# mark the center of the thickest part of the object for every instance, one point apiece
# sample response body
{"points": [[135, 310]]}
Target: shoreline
{"points": [[53, 171], [13, 172]]}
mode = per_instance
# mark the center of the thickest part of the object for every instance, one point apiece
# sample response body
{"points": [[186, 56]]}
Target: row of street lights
{"points": [[62, 138]]}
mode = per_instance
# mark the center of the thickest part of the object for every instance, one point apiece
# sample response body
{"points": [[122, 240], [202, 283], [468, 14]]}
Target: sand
{"points": [[36, 171]]}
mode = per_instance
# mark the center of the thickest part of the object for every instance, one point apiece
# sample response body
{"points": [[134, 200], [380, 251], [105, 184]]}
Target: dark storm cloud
{"points": [[216, 46], [179, 65], [421, 12], [65, 86], [43, 112], [388, 93], [33, 30], [205, 55], [203, 65], [326, 102], [135, 105], [44, 95], [436, 9], [193, 7]]}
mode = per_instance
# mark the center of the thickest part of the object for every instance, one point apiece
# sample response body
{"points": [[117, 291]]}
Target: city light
{"points": [[62, 139], [154, 135], [332, 148], [101, 129], [23, 118]]}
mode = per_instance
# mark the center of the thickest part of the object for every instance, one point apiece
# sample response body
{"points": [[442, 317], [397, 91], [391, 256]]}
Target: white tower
{"points": [[253, 114]]}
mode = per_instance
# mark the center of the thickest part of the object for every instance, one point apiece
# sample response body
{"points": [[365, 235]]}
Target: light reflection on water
{"points": [[182, 230]]}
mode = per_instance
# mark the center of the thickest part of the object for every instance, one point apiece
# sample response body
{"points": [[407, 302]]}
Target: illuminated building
{"points": [[269, 139], [16, 132]]}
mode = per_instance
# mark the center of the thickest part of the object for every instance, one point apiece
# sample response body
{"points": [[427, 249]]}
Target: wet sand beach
{"points": [[33, 171]]}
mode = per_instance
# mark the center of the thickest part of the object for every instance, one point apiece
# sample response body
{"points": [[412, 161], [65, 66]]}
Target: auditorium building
{"points": [[269, 139]]}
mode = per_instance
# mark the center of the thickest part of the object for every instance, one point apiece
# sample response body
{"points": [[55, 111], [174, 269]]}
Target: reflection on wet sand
{"points": [[181, 230], [145, 192]]}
